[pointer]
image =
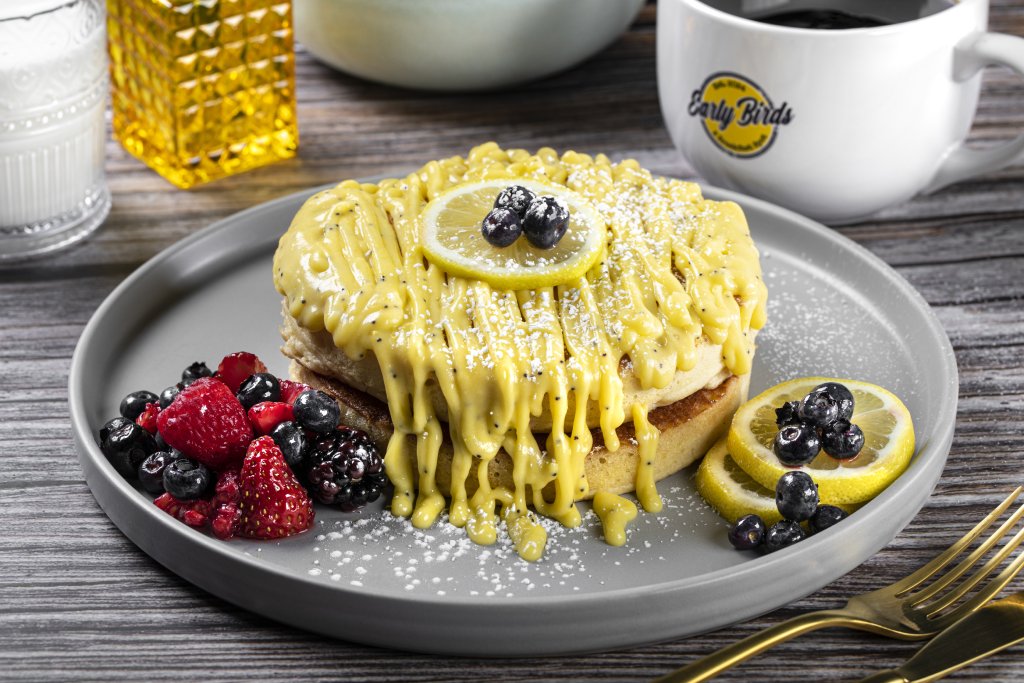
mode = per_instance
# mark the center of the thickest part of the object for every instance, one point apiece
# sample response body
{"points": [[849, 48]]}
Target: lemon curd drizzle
{"points": [[678, 271]]}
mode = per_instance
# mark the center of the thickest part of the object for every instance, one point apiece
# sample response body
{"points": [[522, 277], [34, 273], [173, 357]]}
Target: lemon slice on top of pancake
{"points": [[452, 239]]}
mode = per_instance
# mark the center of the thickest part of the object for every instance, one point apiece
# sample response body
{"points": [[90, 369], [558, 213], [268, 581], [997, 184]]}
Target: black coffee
{"points": [[821, 19]]}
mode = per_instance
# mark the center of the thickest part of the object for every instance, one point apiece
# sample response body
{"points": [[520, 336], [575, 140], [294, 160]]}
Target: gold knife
{"points": [[994, 627]]}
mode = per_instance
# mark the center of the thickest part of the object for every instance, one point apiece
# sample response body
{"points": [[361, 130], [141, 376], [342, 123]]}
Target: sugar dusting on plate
{"points": [[442, 560]]}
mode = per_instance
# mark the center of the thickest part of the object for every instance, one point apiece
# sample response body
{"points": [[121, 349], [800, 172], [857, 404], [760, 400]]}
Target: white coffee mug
{"points": [[834, 124]]}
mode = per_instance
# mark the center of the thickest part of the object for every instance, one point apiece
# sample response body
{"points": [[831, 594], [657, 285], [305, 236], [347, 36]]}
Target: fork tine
{"points": [[987, 593], [910, 582], [927, 593], [962, 590]]}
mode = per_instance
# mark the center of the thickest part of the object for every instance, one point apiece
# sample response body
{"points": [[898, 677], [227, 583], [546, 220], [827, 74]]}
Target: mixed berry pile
{"points": [[519, 211], [241, 451], [820, 421]]}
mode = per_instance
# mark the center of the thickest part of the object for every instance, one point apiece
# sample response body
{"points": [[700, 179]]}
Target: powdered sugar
{"points": [[386, 554]]}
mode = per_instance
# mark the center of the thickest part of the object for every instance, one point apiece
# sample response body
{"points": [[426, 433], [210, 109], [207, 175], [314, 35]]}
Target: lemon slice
{"points": [[452, 239], [888, 441], [733, 493]]}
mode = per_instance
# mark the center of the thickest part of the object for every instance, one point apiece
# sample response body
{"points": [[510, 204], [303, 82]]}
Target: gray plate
{"points": [[834, 309]]}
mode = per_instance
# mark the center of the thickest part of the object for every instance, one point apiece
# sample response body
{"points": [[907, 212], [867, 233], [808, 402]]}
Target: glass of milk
{"points": [[53, 87]]}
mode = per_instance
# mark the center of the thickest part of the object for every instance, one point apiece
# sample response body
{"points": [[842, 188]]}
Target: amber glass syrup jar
{"points": [[203, 89]]}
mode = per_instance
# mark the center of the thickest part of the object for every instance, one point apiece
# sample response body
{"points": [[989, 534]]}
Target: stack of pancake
{"points": [[488, 400]]}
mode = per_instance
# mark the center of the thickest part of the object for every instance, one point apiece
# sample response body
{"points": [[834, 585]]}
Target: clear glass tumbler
{"points": [[53, 86]]}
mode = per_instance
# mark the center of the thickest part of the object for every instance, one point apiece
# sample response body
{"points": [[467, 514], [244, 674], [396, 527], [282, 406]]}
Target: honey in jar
{"points": [[203, 89]]}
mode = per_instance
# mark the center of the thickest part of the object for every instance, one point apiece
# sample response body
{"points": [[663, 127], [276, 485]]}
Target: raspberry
{"points": [[235, 367], [198, 514], [290, 390], [266, 415], [224, 524], [195, 513], [147, 419], [168, 504], [207, 423], [273, 503], [227, 491]]}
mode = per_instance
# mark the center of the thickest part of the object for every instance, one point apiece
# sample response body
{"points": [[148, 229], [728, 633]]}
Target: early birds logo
{"points": [[737, 114]]}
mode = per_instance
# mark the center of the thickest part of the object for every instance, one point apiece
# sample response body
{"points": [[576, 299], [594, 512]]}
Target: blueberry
{"points": [[788, 414], [842, 440], [796, 496], [151, 471], [841, 395], [783, 534], [168, 395], [291, 439], [186, 479], [126, 445], [819, 408], [796, 444], [501, 227], [317, 411], [747, 533], [516, 198], [194, 372], [545, 222], [258, 388], [825, 516], [134, 403]]}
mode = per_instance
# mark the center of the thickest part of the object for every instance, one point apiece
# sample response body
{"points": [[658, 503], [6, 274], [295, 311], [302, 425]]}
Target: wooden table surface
{"points": [[78, 601]]}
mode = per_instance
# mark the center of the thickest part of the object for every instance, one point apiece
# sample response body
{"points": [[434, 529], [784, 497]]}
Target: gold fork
{"points": [[896, 611]]}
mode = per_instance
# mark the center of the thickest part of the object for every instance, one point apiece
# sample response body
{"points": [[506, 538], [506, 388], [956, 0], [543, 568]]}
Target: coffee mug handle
{"points": [[973, 54]]}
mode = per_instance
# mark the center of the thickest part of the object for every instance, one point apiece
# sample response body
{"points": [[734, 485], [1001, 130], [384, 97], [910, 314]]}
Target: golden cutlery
{"points": [[994, 627], [898, 610]]}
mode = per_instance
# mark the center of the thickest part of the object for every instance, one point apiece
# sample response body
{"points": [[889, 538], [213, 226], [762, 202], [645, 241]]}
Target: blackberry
{"points": [[134, 403], [515, 197], [194, 372], [545, 222], [501, 227], [343, 468], [257, 388], [126, 445]]}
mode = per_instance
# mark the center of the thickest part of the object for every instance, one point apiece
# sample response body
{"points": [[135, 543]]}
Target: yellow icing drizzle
{"points": [[679, 271], [615, 512], [526, 533]]}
